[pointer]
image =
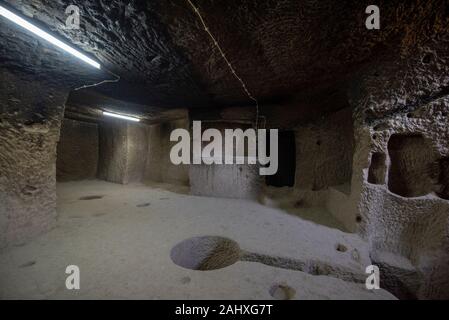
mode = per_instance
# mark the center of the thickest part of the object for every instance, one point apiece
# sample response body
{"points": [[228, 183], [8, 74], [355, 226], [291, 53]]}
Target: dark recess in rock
{"points": [[410, 168], [377, 169], [444, 178]]}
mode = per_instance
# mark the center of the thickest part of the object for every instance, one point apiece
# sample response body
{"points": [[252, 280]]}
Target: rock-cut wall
{"points": [[226, 180], [403, 212], [77, 151], [122, 151], [324, 151], [30, 118], [158, 166], [400, 176]]}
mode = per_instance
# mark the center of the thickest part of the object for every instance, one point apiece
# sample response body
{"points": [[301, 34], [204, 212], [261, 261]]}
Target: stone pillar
{"points": [[30, 118]]}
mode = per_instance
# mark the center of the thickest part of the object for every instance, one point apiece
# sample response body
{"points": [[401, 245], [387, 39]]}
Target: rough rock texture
{"points": [[370, 108], [87, 105], [122, 151], [396, 197], [113, 147], [136, 151], [412, 160], [158, 166], [131, 152], [280, 48], [24, 54], [444, 179], [30, 118], [227, 181], [377, 169], [206, 253], [404, 219], [342, 204], [324, 152], [414, 228], [406, 95], [125, 36], [77, 153]]}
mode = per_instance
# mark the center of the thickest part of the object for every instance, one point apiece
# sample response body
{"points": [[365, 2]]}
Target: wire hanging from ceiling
{"points": [[117, 79], [217, 45]]}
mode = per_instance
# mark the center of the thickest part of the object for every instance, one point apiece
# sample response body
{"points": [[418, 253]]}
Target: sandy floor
{"points": [[122, 241]]}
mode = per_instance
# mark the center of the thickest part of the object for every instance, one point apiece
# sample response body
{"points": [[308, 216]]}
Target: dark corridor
{"points": [[285, 176]]}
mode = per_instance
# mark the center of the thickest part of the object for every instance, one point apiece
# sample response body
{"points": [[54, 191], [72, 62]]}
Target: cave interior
{"points": [[363, 150]]}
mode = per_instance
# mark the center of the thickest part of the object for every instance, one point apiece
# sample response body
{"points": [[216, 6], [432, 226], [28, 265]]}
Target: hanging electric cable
{"points": [[117, 79], [217, 45]]}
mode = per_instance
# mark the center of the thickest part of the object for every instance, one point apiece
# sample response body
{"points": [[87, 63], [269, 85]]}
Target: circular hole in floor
{"points": [[91, 197], [282, 292], [205, 253], [340, 247]]}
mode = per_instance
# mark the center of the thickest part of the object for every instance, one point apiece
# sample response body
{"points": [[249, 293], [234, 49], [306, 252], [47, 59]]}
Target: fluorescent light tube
{"points": [[44, 35], [115, 115]]}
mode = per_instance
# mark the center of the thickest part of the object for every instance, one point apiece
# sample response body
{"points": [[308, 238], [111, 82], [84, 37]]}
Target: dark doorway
{"points": [[285, 176]]}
